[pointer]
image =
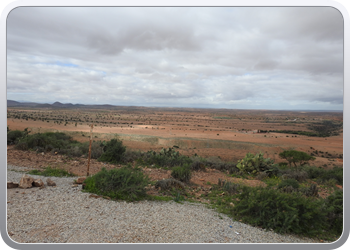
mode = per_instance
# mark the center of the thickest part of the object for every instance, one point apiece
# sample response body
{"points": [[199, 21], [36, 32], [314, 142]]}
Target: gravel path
{"points": [[65, 214]]}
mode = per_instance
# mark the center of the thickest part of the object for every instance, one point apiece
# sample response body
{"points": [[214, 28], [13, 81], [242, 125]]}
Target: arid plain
{"points": [[229, 134]]}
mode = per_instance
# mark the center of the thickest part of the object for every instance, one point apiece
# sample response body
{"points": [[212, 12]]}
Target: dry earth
{"points": [[228, 134]]}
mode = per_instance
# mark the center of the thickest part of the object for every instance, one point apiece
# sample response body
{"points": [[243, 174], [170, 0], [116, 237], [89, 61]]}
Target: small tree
{"points": [[294, 156]]}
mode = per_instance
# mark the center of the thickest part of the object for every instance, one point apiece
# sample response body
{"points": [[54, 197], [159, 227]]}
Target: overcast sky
{"points": [[237, 58]]}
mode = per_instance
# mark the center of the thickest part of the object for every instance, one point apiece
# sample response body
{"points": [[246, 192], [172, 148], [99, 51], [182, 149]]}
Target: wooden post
{"points": [[88, 166]]}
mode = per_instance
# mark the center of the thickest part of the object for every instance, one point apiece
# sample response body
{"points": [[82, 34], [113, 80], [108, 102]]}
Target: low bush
{"points": [[321, 175], [181, 173], [126, 183], [334, 205], [112, 151], [164, 158], [282, 212], [13, 136], [288, 182], [45, 141]]}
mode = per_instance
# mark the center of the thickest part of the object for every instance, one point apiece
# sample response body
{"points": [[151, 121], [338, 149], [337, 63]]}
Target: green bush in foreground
{"points": [[334, 204], [126, 183], [282, 212], [182, 173]]}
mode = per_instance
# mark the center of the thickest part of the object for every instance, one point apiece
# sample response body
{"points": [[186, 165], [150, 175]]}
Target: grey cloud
{"points": [[194, 56]]}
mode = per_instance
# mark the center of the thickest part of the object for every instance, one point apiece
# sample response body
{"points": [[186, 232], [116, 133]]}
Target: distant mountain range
{"points": [[58, 105]]}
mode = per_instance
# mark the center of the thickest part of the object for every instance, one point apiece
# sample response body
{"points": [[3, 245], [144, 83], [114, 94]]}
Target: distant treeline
{"points": [[321, 129], [291, 132]]}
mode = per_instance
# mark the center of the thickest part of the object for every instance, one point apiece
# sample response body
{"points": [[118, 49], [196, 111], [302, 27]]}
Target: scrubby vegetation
{"points": [[13, 136], [320, 129], [289, 204], [283, 212], [321, 175]]}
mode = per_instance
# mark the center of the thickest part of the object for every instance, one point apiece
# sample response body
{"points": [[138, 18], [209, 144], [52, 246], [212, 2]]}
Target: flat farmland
{"points": [[229, 134]]}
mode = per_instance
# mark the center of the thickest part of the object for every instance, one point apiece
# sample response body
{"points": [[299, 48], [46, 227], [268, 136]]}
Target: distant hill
{"points": [[59, 105], [11, 103]]}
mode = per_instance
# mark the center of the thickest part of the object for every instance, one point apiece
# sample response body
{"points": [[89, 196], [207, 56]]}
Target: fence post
{"points": [[88, 166]]}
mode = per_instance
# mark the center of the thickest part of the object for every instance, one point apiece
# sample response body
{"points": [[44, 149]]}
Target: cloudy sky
{"points": [[234, 57]]}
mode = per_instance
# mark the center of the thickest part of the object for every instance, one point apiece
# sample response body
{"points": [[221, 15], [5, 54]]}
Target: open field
{"points": [[229, 134]]}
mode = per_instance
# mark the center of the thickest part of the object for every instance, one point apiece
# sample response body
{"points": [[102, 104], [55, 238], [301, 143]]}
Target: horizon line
{"points": [[183, 107]]}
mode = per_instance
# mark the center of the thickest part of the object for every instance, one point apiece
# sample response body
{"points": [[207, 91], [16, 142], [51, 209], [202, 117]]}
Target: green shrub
{"points": [[322, 175], [282, 212], [126, 183], [46, 141], [334, 204], [181, 173], [165, 158], [288, 182], [113, 151], [13, 136]]}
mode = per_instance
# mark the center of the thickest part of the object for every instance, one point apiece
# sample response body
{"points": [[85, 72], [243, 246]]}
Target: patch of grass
{"points": [[56, 172], [178, 198], [18, 171]]}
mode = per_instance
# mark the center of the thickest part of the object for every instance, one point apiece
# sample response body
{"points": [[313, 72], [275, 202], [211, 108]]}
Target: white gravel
{"points": [[65, 214]]}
